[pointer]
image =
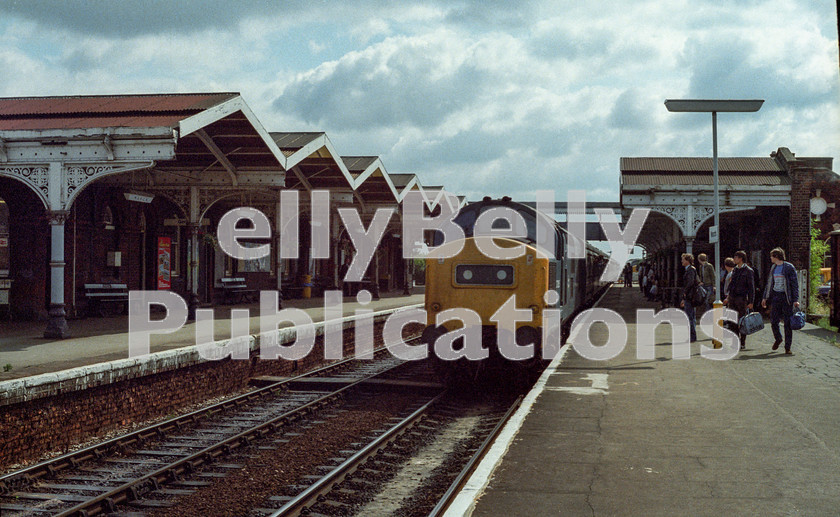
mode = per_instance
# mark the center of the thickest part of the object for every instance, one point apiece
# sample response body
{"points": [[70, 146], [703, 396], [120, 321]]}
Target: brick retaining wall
{"points": [[52, 412]]}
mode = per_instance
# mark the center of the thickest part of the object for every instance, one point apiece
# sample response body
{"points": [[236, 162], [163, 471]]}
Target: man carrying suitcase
{"points": [[741, 290], [783, 292]]}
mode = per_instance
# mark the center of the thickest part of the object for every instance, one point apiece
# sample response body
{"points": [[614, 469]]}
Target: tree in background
{"points": [[818, 250]]}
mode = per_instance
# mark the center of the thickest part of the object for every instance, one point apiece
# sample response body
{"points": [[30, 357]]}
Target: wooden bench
{"points": [[368, 284], [235, 290], [106, 299]]}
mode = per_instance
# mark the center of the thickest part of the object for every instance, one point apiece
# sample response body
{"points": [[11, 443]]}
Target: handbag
{"points": [[751, 323], [797, 321]]}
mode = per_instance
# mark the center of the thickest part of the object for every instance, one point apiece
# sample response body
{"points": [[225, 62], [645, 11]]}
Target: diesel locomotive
{"points": [[483, 282]]}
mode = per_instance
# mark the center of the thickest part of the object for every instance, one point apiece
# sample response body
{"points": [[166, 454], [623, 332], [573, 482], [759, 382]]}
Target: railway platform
{"points": [[755, 435], [101, 340]]}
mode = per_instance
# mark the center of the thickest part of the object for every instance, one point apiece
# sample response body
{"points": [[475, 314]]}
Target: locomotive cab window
{"points": [[484, 274]]}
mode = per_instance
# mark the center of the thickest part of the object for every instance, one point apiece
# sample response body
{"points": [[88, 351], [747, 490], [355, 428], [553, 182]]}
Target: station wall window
{"points": [[5, 258], [176, 252], [108, 218], [262, 265]]}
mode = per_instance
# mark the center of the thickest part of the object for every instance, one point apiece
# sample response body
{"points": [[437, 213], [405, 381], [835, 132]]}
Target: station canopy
{"points": [[212, 132]]}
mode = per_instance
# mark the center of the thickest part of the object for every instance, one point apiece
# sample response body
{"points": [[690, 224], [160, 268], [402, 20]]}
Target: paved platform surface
{"points": [[755, 435], [97, 340]]}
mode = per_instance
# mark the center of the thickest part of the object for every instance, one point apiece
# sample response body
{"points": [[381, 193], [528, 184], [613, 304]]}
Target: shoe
{"points": [[743, 347], [776, 344], [788, 352]]}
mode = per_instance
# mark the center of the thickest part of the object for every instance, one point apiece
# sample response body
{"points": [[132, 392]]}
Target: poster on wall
{"points": [[164, 268]]}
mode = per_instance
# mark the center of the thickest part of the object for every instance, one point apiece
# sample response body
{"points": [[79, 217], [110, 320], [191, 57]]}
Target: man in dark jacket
{"points": [[689, 283], [741, 290], [783, 292]]}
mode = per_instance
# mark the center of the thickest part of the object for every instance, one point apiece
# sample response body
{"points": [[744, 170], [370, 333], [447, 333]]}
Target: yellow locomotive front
{"points": [[472, 280]]}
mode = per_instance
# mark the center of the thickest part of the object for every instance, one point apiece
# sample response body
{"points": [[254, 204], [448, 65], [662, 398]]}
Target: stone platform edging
{"points": [[84, 377]]}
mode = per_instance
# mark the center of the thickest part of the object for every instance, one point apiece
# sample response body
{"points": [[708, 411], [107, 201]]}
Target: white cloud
{"points": [[476, 96]]}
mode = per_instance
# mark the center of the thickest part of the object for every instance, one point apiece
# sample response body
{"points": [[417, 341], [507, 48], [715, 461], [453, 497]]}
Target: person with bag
{"points": [[741, 291], [690, 285], [729, 268], [783, 292], [709, 280], [641, 274], [650, 284]]}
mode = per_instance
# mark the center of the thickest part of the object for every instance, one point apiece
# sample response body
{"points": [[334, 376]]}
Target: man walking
{"points": [[783, 292], [689, 285], [709, 279], [729, 268], [741, 290]]}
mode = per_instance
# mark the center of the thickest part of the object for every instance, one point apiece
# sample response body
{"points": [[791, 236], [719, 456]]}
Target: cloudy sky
{"points": [[485, 97]]}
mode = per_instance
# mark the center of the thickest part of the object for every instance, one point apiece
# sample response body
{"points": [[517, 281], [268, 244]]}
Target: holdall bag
{"points": [[698, 297], [797, 321], [751, 323]]}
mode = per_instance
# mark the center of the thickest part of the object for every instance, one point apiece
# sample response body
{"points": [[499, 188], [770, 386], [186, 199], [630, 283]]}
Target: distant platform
{"points": [[100, 340]]}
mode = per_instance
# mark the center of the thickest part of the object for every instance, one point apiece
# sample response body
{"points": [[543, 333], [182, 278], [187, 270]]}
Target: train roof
{"points": [[468, 214]]}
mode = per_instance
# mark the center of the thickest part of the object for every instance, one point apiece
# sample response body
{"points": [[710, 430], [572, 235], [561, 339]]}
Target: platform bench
{"points": [[106, 299], [235, 290]]}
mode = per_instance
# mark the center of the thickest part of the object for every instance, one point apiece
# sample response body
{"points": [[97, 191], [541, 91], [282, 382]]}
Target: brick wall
{"points": [[799, 239], [807, 175]]}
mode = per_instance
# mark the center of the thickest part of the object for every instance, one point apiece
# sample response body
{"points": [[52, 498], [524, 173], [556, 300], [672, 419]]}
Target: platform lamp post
{"points": [[714, 106]]}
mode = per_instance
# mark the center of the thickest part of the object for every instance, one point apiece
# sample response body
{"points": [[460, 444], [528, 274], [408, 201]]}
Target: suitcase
{"points": [[751, 323]]}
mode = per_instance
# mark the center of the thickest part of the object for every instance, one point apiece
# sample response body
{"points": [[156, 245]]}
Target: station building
{"points": [[129, 190], [764, 203]]}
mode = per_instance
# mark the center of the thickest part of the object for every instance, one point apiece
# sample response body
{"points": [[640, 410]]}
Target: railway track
{"points": [[99, 479], [381, 477]]}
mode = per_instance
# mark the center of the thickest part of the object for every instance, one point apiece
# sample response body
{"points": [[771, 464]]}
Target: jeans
{"points": [[781, 309], [692, 325], [710, 297]]}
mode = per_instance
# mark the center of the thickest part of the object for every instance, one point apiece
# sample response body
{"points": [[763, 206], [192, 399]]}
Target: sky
{"points": [[484, 97]]}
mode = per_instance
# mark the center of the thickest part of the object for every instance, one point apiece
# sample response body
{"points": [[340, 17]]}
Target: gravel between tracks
{"points": [[269, 474]]}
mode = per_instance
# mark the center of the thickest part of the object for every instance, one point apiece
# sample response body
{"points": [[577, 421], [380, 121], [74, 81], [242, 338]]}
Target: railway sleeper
{"points": [[347, 495], [330, 507], [152, 503], [358, 484]]}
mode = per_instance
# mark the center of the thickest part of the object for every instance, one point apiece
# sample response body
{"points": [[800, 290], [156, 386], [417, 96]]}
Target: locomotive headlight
{"points": [[467, 274], [501, 274]]}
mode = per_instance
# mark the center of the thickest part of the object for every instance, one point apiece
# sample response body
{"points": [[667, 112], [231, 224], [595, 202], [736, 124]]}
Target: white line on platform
{"points": [[464, 503]]}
